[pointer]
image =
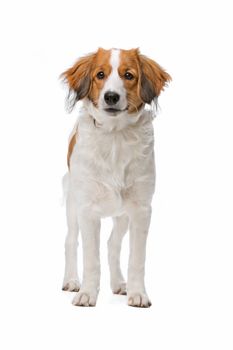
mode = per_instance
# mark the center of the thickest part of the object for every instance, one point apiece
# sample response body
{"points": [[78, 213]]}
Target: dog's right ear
{"points": [[78, 79]]}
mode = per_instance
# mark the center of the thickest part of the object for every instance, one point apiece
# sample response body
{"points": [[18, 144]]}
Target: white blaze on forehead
{"points": [[115, 59], [114, 82]]}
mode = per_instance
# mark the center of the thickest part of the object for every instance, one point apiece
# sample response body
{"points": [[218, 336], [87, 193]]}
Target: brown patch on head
{"points": [[147, 78], [82, 77], [101, 65], [129, 63]]}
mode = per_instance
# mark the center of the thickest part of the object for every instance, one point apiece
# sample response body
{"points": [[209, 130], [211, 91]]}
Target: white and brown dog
{"points": [[111, 168]]}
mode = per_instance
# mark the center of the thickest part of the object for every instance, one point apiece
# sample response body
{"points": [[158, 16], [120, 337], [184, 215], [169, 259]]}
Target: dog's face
{"points": [[115, 82]]}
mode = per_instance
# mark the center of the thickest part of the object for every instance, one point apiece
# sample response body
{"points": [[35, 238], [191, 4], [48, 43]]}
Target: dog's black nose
{"points": [[111, 98]]}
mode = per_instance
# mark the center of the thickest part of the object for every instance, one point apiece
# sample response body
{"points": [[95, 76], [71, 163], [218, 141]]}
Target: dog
{"points": [[111, 168]]}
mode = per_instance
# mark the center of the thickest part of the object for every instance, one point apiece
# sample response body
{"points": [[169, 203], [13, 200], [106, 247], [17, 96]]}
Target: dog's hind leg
{"points": [[120, 227], [71, 281]]}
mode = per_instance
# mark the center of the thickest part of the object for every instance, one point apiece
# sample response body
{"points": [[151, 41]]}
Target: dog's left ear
{"points": [[153, 79], [78, 79]]}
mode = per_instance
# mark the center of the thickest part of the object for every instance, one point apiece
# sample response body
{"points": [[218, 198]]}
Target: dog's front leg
{"points": [[71, 281], [90, 231], [139, 226]]}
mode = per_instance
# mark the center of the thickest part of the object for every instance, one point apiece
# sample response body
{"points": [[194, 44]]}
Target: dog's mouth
{"points": [[114, 111]]}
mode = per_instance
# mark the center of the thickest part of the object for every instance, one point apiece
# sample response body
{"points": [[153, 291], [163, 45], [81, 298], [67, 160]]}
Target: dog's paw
{"points": [[138, 300], [72, 285], [85, 298], [119, 288]]}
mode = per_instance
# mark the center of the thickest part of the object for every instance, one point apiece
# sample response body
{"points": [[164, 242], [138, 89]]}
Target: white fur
{"points": [[112, 173]]}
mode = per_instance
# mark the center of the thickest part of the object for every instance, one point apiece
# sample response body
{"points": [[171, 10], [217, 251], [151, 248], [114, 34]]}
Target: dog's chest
{"points": [[109, 169], [110, 158]]}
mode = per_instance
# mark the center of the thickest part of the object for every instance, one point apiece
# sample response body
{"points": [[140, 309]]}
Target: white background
{"points": [[189, 259]]}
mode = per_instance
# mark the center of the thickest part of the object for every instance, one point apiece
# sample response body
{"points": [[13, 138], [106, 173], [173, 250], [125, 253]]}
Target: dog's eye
{"points": [[128, 76], [100, 75]]}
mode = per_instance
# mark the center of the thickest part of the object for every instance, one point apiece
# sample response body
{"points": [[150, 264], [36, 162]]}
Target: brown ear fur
{"points": [[78, 79], [153, 79]]}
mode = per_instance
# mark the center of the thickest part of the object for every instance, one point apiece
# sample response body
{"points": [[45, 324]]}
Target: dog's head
{"points": [[115, 82]]}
